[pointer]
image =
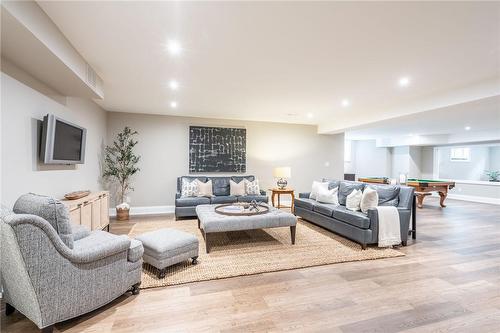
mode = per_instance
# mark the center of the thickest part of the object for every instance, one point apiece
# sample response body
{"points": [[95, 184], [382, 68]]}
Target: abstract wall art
{"points": [[217, 149]]}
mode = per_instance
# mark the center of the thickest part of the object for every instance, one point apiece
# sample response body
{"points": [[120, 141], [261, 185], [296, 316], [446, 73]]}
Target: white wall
{"points": [[400, 161], [163, 146], [414, 162], [470, 170], [494, 153], [370, 160], [22, 109]]}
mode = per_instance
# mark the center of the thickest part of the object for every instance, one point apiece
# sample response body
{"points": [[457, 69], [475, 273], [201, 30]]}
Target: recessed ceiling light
{"points": [[310, 115], [467, 128], [174, 47], [404, 81], [173, 85], [173, 105], [346, 103]]}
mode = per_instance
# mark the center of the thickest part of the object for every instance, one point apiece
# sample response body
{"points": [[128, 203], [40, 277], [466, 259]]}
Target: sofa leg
{"points": [[195, 260], [162, 273], [135, 288], [404, 243], [9, 309], [363, 246], [48, 329]]}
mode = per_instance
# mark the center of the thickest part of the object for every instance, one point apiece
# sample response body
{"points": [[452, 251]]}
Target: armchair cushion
{"points": [[50, 209], [98, 245], [79, 231]]}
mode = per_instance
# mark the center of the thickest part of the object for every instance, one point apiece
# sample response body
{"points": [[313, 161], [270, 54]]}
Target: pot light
{"points": [[346, 103], [467, 128], [404, 81], [310, 115], [174, 47], [174, 85], [173, 104]]}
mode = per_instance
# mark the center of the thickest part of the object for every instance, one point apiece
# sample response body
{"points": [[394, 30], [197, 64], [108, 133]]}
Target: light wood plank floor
{"points": [[448, 282]]}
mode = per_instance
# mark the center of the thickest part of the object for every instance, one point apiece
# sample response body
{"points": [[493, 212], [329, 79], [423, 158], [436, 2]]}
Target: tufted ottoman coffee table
{"points": [[167, 247]]}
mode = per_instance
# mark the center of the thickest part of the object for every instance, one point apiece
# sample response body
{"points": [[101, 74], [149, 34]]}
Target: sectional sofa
{"points": [[359, 227], [186, 207]]}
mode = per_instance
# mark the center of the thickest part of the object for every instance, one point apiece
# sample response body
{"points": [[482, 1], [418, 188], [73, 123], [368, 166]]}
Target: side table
{"points": [[278, 192]]}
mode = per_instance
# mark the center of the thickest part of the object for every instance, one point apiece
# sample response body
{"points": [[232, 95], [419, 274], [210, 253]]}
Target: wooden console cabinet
{"points": [[91, 211]]}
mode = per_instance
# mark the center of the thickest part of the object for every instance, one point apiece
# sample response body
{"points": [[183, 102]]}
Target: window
{"points": [[347, 150], [460, 154]]}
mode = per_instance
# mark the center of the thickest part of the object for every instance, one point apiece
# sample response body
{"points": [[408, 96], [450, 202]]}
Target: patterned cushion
{"points": [[252, 188], [189, 188], [50, 209]]}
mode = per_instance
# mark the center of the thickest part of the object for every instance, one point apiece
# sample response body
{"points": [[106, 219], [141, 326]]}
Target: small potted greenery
{"points": [[493, 175], [120, 164]]}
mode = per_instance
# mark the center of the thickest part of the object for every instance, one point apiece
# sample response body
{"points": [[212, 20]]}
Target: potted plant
{"points": [[493, 175], [120, 164]]}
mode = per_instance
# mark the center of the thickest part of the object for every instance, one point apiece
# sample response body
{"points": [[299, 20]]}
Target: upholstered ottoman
{"points": [[167, 247]]}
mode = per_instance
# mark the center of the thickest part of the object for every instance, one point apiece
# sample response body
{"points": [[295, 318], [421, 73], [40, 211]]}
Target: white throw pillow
{"points": [[328, 196], [252, 188], [189, 189], [369, 199], [353, 200], [236, 188], [316, 186], [205, 189]]}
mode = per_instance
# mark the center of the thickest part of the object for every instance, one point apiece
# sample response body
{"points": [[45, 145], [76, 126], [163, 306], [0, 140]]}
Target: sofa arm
{"points": [[98, 245], [304, 195], [404, 220], [177, 195]]}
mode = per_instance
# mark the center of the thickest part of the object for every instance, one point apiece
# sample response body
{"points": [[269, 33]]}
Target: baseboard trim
{"points": [[146, 210], [471, 198]]}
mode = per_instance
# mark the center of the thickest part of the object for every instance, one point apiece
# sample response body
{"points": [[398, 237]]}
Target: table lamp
{"points": [[282, 173]]}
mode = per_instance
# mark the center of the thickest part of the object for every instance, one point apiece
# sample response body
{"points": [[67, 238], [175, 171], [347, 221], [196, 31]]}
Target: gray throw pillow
{"points": [[50, 209], [388, 195]]}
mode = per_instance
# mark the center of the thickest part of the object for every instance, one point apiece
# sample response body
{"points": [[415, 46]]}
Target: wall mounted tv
{"points": [[62, 141]]}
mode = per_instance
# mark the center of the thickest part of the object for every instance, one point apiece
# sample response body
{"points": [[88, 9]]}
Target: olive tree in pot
{"points": [[120, 164]]}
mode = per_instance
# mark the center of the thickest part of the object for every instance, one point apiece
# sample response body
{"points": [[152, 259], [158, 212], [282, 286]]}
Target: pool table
{"points": [[374, 180], [423, 187]]}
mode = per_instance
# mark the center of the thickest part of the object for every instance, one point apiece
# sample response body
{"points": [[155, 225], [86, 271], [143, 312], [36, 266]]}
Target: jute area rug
{"points": [[255, 251]]}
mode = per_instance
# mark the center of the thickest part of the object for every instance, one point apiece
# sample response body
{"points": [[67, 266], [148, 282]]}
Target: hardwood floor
{"points": [[449, 281]]}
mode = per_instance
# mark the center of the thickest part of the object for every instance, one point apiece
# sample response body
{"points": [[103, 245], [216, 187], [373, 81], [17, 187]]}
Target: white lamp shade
{"points": [[282, 172]]}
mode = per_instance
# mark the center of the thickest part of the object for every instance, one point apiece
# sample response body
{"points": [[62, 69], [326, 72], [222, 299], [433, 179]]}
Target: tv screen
{"points": [[67, 142], [62, 141]]}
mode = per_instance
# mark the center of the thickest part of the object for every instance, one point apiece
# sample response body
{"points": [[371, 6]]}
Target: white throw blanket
{"points": [[389, 232]]}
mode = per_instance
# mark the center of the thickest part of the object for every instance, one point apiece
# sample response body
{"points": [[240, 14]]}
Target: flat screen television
{"points": [[62, 141]]}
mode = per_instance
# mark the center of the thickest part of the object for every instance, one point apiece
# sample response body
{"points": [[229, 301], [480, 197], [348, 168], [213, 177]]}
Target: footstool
{"points": [[167, 247]]}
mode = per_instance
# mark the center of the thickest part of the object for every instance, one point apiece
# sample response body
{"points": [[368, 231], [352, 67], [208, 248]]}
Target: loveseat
{"points": [[357, 226], [186, 206], [53, 270]]}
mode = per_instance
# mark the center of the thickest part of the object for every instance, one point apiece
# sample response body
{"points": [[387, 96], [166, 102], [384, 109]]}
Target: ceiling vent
{"points": [[91, 76]]}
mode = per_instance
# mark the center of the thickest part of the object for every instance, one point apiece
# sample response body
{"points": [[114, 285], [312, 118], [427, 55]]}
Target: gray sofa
{"points": [[186, 207], [53, 271], [359, 227]]}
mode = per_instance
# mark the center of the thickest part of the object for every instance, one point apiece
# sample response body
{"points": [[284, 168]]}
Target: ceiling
{"points": [[477, 116], [287, 61]]}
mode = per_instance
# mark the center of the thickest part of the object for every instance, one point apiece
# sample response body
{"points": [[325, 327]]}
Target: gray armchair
{"points": [[50, 280]]}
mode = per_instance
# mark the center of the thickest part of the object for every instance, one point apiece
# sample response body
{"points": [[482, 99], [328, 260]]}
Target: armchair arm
{"points": [[304, 195], [98, 245]]}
